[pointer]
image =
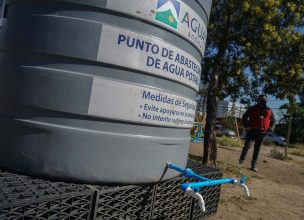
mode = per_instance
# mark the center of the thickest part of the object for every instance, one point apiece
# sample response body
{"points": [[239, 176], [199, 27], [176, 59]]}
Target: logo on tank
{"points": [[167, 12]]}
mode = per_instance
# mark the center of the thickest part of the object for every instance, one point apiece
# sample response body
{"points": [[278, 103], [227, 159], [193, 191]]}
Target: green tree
{"points": [[297, 122], [229, 122], [245, 53]]}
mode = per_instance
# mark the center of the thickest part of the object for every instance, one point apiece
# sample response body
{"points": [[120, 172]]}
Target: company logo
{"points": [[167, 12]]}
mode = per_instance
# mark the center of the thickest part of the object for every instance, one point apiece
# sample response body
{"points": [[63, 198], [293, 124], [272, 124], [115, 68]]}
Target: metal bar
{"points": [[2, 7], [187, 172], [198, 185]]}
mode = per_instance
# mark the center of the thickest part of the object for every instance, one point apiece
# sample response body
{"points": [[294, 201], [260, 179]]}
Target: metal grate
{"points": [[211, 194], [127, 202], [22, 197], [211, 197], [172, 203], [201, 169]]}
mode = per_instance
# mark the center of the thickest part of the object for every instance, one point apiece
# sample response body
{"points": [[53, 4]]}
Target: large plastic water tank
{"points": [[99, 91]]}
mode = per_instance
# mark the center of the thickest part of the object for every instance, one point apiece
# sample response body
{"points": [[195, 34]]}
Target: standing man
{"points": [[257, 121]]}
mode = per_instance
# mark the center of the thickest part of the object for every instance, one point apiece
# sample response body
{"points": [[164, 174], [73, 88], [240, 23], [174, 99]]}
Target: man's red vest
{"points": [[259, 117]]}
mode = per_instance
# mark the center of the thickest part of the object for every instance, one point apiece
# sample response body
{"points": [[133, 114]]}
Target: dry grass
{"points": [[298, 153], [297, 146], [276, 154], [229, 142]]}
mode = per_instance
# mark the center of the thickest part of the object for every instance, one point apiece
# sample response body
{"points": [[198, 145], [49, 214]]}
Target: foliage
{"points": [[298, 153], [230, 142], [230, 167], [276, 154], [252, 46], [260, 45], [297, 145], [229, 123], [297, 125]]}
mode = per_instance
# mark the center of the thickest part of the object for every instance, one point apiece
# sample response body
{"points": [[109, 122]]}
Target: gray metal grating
{"points": [[25, 198], [22, 197]]}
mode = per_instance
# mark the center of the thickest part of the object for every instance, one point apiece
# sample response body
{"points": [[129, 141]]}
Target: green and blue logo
{"points": [[167, 12]]}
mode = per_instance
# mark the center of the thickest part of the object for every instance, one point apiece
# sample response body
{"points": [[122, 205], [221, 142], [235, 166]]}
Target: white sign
{"points": [[148, 54], [172, 14], [127, 102]]}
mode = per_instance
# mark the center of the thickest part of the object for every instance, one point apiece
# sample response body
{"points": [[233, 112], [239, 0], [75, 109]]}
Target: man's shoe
{"points": [[254, 166], [240, 164], [254, 169]]}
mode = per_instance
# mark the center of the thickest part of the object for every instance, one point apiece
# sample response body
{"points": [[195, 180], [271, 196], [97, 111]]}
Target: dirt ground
{"points": [[277, 190]]}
